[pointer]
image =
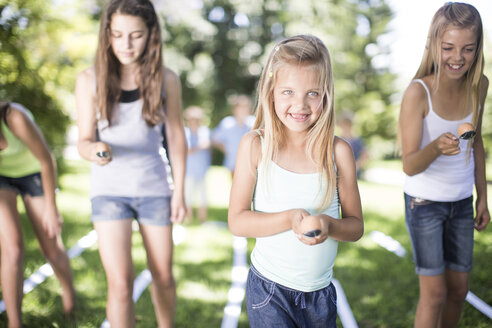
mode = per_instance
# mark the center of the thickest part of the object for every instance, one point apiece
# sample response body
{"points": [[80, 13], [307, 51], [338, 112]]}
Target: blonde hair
{"points": [[463, 16], [302, 50]]}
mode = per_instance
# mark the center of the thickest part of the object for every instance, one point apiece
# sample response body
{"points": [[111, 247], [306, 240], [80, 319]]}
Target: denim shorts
{"points": [[272, 305], [441, 234], [146, 210], [28, 185]]}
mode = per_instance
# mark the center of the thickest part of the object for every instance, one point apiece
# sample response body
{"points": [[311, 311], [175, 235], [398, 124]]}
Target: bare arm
{"points": [[28, 132], [243, 221], [86, 117], [350, 226], [176, 143], [413, 108], [483, 217]]}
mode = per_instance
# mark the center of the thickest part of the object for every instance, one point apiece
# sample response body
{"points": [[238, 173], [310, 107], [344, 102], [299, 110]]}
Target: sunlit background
{"points": [[218, 48]]}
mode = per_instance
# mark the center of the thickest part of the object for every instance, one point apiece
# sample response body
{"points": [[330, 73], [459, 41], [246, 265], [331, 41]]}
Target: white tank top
{"points": [[448, 178], [282, 258]]}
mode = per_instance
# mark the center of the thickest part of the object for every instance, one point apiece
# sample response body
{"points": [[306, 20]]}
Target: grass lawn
{"points": [[381, 287]]}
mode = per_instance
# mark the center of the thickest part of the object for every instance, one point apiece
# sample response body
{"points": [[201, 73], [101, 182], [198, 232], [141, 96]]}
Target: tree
{"points": [[29, 66], [220, 48], [217, 49]]}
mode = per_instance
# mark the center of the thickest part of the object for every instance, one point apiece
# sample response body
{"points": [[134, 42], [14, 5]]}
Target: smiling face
{"points": [[297, 97], [458, 49], [129, 36]]}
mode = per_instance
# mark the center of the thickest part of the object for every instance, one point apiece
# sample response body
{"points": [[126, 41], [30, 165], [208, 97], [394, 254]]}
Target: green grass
{"points": [[381, 288]]}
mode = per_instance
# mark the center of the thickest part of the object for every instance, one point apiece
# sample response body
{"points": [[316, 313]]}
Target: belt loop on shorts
{"points": [[302, 298]]}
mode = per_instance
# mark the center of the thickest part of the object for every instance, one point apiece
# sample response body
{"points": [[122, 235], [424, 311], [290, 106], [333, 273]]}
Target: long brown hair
{"points": [[460, 15], [107, 66], [300, 50]]}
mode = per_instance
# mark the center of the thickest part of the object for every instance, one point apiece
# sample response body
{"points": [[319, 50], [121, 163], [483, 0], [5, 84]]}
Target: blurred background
{"points": [[218, 48]]}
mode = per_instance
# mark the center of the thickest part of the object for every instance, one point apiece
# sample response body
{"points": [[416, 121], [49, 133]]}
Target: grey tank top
{"points": [[138, 168]]}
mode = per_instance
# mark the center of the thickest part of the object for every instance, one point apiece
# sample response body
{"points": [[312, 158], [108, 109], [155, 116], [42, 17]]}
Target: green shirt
{"points": [[17, 160]]}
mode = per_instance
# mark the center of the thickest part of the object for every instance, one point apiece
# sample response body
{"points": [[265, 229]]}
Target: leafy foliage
{"points": [[30, 68], [222, 48]]}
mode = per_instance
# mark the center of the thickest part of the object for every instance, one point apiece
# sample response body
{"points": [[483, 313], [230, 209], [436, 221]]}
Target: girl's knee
{"points": [[120, 286], [13, 255], [458, 293], [435, 296], [163, 278]]}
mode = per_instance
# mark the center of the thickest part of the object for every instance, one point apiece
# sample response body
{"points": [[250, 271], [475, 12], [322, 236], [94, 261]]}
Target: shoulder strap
{"points": [[261, 136], [428, 93]]}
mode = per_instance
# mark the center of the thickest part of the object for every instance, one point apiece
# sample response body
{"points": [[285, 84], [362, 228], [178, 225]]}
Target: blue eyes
{"points": [[310, 93]]}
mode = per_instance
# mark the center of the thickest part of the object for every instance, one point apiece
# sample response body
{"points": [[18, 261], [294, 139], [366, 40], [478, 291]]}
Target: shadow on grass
{"points": [[381, 288]]}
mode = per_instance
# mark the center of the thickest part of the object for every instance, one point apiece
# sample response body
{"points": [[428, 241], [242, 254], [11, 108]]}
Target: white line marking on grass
{"points": [[145, 277], [46, 271], [388, 243], [142, 281], [343, 308], [83, 243], [479, 304], [394, 246], [239, 274]]}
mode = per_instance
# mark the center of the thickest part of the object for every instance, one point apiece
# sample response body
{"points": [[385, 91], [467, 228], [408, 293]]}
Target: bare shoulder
{"points": [[16, 114], [88, 74], [342, 149], [18, 119], [251, 143], [415, 91], [252, 138], [415, 99], [86, 80], [170, 77]]}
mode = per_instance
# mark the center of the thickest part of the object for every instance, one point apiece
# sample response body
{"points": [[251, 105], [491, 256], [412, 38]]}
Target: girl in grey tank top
{"points": [[120, 133]]}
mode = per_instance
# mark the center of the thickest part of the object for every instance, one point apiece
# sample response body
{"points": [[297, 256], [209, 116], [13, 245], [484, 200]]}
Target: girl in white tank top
{"points": [[296, 175], [448, 90]]}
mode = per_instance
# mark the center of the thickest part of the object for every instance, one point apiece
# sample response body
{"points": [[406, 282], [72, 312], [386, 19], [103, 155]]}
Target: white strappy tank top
{"points": [[448, 178]]}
